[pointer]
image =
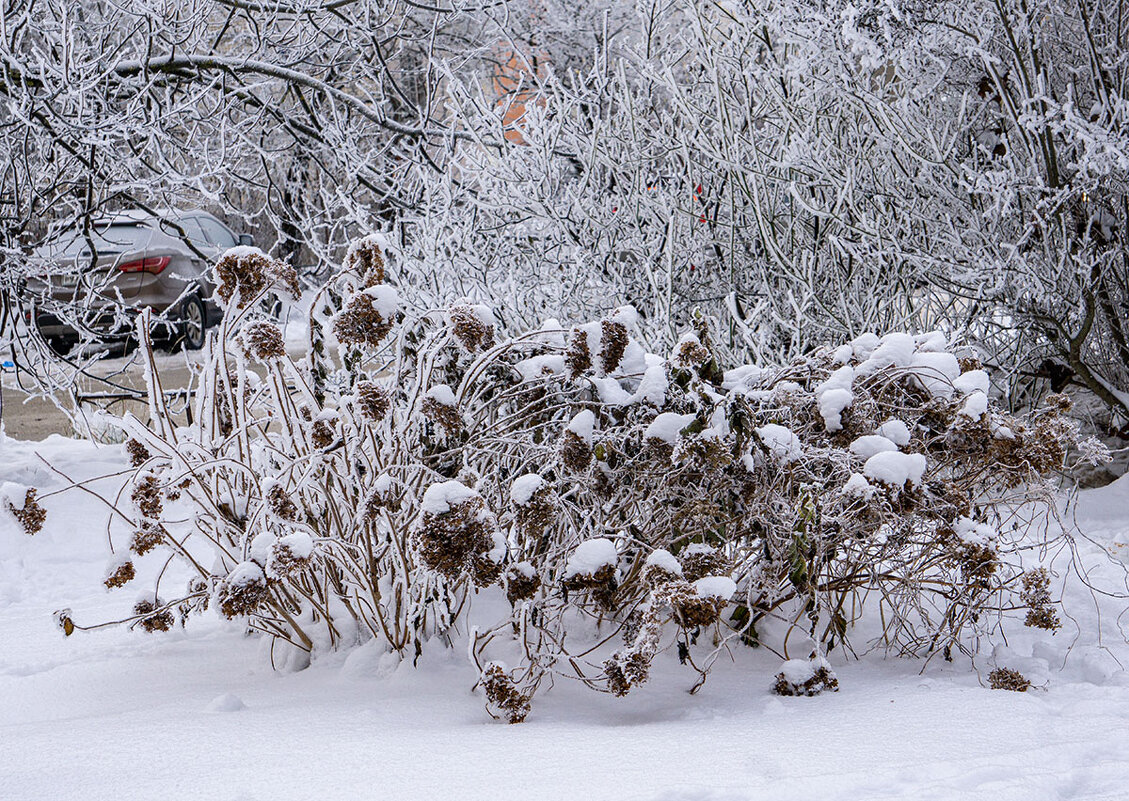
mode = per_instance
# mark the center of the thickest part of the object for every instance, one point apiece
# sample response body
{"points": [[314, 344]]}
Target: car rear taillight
{"points": [[153, 266]]}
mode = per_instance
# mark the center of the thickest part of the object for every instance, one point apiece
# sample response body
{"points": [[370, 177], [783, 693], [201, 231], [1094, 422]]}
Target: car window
{"points": [[105, 239], [192, 230], [217, 234]]}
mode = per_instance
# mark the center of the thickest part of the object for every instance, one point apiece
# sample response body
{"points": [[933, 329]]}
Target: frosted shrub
{"points": [[450, 481]]}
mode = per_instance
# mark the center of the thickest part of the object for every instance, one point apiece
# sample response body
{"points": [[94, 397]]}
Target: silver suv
{"points": [[96, 279]]}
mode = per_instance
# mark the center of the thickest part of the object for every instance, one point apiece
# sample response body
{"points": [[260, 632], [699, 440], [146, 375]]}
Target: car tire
{"points": [[193, 323]]}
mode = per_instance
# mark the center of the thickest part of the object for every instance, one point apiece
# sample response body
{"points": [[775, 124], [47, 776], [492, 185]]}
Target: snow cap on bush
{"points": [[576, 444], [590, 557], [455, 529], [472, 325], [660, 565], [367, 317], [805, 677], [895, 469], [835, 395], [781, 442], [242, 591], [667, 427], [442, 408], [523, 488], [592, 567]]}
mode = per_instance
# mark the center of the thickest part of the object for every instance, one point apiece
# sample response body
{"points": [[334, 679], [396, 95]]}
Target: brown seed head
{"points": [[147, 537], [243, 591], [263, 341], [373, 401], [576, 454], [448, 542], [361, 322], [468, 327], [1007, 679], [138, 454], [121, 575], [613, 343], [151, 619], [243, 276], [31, 516], [578, 358], [365, 260]]}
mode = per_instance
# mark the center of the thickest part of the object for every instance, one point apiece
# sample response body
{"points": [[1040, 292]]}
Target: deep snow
{"points": [[199, 713]]}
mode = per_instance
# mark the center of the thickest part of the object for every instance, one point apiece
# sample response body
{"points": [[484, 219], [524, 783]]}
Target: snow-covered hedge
{"points": [[436, 477]]}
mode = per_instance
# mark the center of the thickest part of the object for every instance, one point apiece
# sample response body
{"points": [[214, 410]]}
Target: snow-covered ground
{"points": [[199, 713]]}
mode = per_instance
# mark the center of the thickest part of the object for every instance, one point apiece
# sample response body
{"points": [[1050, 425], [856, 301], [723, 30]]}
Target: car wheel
{"points": [[193, 323]]}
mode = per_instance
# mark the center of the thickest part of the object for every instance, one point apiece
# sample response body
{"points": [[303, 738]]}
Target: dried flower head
{"points": [[503, 698], [440, 407], [699, 560], [372, 401], [244, 274], [147, 537], [121, 574], [601, 585], [31, 516], [290, 554], [138, 454], [1058, 403], [263, 341], [691, 608], [522, 582], [472, 327], [1036, 595], [197, 598], [146, 496], [618, 685], [631, 667], [578, 357], [455, 528], [367, 317], [978, 562], [661, 568], [1008, 679], [243, 591], [1034, 449], [537, 512], [613, 343], [151, 616], [323, 430], [280, 503], [689, 353], [365, 260], [487, 568], [576, 454], [386, 494], [704, 451]]}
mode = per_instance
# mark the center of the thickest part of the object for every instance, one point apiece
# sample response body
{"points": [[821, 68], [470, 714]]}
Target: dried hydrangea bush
{"points": [[424, 468]]}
